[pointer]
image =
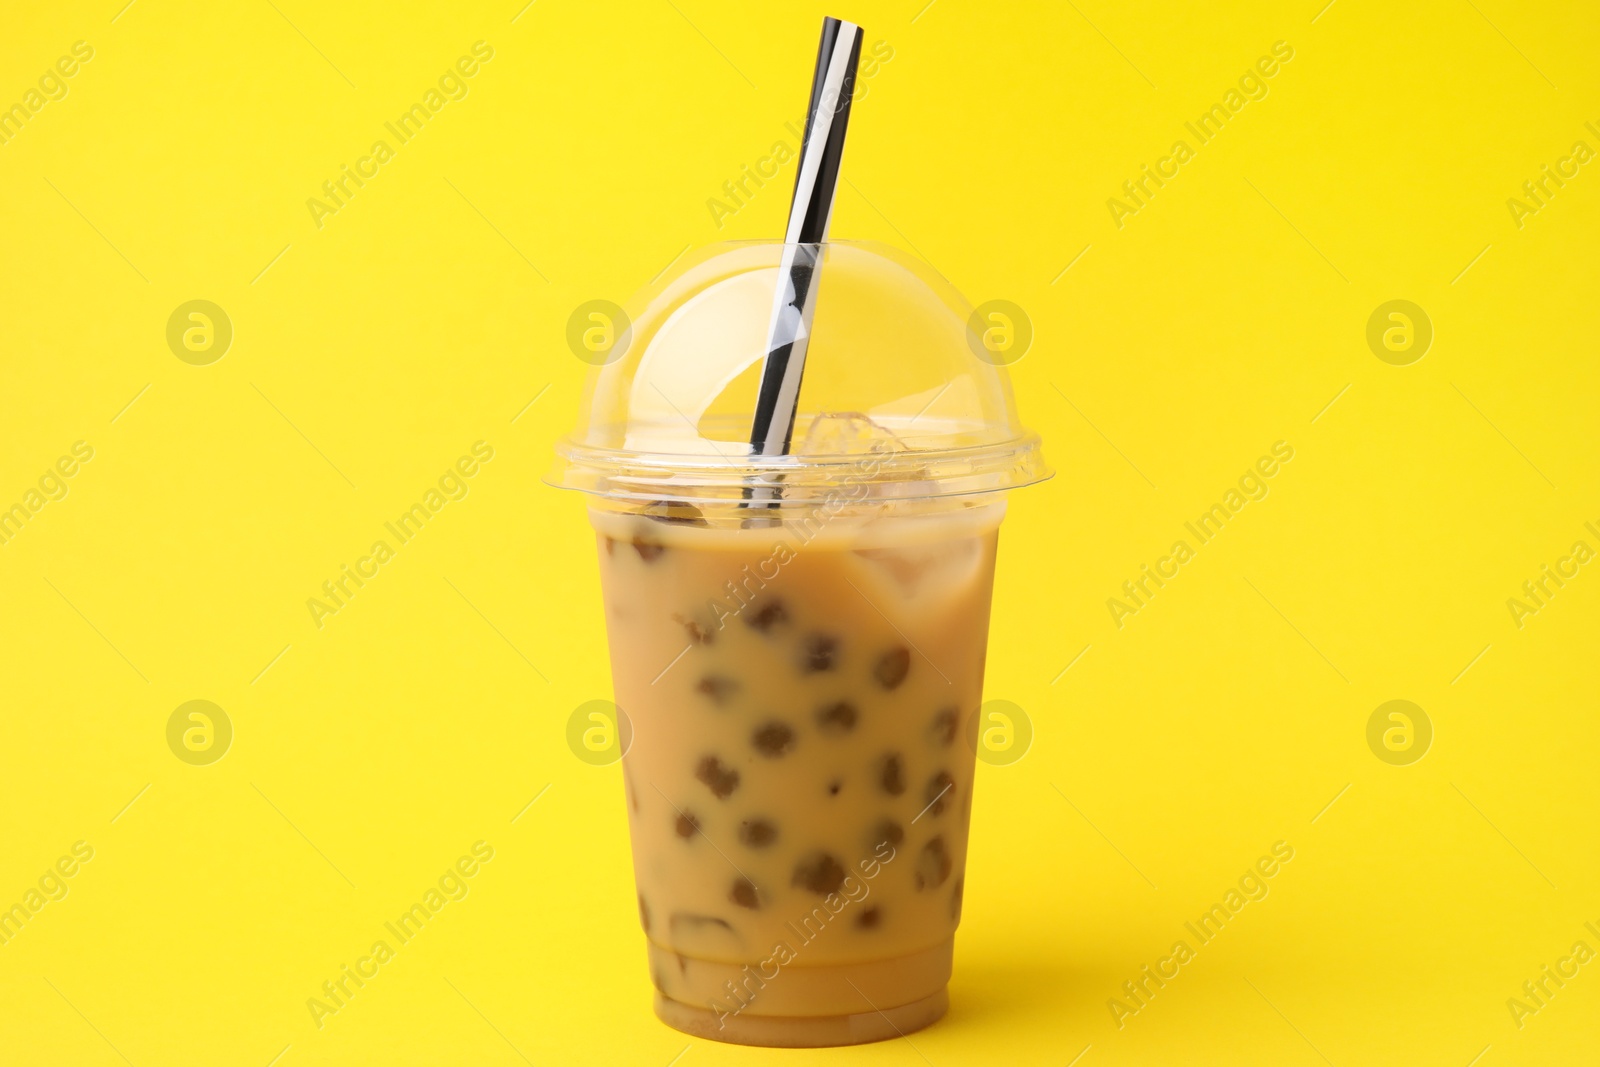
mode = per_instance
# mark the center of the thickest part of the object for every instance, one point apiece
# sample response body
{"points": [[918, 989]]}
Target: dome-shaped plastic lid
{"points": [[899, 394]]}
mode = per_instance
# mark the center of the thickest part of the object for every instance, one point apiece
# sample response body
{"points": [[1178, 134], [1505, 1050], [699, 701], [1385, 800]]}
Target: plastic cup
{"points": [[798, 675]]}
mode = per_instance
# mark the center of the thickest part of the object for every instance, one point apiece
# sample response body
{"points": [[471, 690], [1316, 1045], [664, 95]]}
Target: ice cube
{"points": [[846, 433], [914, 569]]}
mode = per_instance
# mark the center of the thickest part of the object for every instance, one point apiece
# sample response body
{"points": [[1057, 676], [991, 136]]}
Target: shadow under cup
{"points": [[798, 789]]}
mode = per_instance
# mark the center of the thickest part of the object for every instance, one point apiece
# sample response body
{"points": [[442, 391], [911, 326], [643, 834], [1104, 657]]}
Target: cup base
{"points": [[824, 1031]]}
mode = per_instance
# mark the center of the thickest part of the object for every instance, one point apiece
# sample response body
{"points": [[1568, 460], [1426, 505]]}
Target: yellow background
{"points": [[370, 753]]}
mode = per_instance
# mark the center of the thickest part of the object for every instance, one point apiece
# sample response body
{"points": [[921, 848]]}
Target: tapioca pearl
{"points": [[764, 521], [838, 718], [719, 688], [818, 652], [644, 914], [676, 513], [955, 898], [892, 667], [743, 893], [818, 872], [870, 918], [770, 614], [942, 730], [689, 924], [649, 551], [891, 774], [700, 632], [834, 786], [773, 739], [933, 864], [720, 779], [885, 831], [686, 823], [940, 793], [757, 833]]}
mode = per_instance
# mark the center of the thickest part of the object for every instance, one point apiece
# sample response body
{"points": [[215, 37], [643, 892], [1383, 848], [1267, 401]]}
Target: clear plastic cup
{"points": [[799, 674]]}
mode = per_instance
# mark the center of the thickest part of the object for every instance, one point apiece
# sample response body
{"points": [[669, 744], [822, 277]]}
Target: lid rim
{"points": [[695, 479], [663, 494], [569, 449]]}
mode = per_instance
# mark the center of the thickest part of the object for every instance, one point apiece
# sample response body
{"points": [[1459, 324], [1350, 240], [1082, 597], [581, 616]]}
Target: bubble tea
{"points": [[800, 677]]}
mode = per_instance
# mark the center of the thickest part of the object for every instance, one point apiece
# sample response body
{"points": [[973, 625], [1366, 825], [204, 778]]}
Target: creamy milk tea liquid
{"points": [[798, 787]]}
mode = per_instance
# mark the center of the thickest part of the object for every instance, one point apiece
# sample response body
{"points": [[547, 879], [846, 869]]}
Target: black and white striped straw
{"points": [[788, 333]]}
